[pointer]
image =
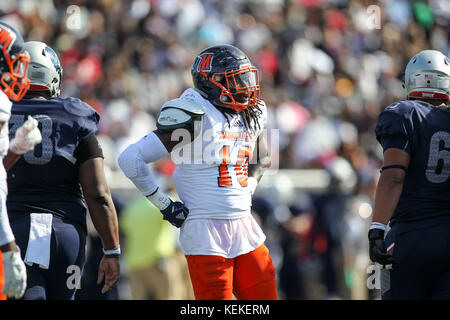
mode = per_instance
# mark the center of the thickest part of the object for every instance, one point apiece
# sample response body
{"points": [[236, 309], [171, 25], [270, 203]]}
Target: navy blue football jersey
{"points": [[423, 131], [45, 180]]}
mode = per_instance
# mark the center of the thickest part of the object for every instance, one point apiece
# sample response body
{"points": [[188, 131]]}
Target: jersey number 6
{"points": [[438, 167]]}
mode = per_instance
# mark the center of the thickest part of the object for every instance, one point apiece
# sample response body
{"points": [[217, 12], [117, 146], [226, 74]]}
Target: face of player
{"points": [[240, 88]]}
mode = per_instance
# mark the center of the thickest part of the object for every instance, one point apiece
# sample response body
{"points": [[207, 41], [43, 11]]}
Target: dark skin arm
{"points": [[178, 137], [10, 246], [256, 170], [104, 217], [10, 159], [390, 185]]}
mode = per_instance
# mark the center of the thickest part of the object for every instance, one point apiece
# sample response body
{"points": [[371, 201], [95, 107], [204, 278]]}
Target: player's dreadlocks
{"points": [[249, 114]]}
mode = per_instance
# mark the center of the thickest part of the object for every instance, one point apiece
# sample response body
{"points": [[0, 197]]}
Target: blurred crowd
{"points": [[327, 68]]}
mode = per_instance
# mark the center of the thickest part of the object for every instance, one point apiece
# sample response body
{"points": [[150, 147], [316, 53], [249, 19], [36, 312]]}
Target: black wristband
{"points": [[398, 166]]}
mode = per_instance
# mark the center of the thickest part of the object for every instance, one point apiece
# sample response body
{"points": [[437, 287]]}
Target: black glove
{"points": [[175, 213], [377, 247]]}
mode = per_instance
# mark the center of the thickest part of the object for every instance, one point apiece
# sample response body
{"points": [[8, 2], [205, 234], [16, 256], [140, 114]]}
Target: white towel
{"points": [[38, 250]]}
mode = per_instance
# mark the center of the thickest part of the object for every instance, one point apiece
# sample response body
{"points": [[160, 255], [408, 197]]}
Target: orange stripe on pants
{"points": [[250, 276], [2, 278]]}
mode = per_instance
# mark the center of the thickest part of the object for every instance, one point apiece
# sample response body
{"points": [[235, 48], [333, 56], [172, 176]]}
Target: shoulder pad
{"points": [[76, 107], [401, 107], [185, 104], [395, 120], [179, 113]]}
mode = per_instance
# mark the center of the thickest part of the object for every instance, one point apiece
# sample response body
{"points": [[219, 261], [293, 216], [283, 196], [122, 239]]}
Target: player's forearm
{"points": [[256, 170], [104, 218], [10, 159], [262, 155], [387, 195], [10, 246], [99, 201]]}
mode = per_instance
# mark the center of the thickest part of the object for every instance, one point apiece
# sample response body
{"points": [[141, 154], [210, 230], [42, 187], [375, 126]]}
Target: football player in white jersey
{"points": [[13, 85], [215, 134]]}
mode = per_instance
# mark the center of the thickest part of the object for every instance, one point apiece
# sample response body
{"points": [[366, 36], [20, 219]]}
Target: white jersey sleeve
{"points": [[6, 234], [5, 114], [5, 107]]}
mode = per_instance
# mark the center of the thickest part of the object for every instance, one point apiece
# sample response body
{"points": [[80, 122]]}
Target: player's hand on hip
{"points": [[109, 269], [26, 137], [176, 213], [377, 248], [15, 275]]}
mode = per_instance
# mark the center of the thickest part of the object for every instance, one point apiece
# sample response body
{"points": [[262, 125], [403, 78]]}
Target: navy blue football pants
{"points": [[67, 252], [422, 264]]}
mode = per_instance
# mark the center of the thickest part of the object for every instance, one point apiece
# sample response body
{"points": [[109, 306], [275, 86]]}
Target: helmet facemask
{"points": [[14, 82], [239, 88]]}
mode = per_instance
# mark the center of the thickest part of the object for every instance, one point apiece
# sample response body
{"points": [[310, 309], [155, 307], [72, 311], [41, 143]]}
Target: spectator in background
{"points": [[151, 253]]}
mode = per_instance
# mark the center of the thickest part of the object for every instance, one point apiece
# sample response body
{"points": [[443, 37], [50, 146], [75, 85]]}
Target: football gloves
{"points": [[15, 275], [26, 137], [377, 248], [176, 213]]}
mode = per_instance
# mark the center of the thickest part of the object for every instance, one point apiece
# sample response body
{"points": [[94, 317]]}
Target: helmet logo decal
{"points": [[7, 38], [204, 62]]}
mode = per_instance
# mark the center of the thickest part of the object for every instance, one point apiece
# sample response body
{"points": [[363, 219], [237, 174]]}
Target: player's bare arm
{"points": [[104, 217], [99, 201], [170, 141], [389, 189], [10, 246], [390, 184], [256, 170]]}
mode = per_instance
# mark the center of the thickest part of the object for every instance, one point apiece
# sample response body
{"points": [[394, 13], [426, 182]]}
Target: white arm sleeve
{"points": [[6, 234], [133, 162]]}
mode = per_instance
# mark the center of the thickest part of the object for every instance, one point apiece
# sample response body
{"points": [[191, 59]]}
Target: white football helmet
{"points": [[427, 76], [45, 71]]}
